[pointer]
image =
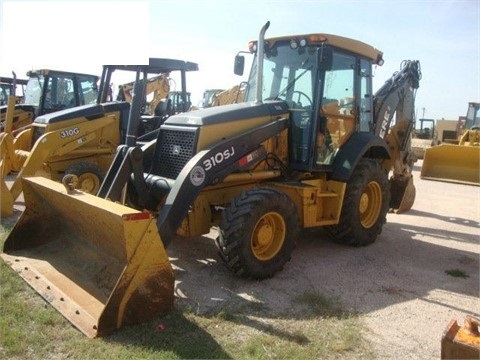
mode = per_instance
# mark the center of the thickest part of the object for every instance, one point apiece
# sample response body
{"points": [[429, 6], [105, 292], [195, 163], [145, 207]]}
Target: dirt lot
{"points": [[398, 284]]}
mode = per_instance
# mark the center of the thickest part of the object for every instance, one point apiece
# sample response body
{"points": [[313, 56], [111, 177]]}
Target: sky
{"points": [[81, 36]]}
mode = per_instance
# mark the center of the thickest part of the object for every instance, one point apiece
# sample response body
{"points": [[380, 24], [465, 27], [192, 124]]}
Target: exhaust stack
{"points": [[260, 55]]}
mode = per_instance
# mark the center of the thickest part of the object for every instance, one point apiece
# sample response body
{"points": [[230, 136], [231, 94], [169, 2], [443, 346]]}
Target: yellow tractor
{"points": [[457, 162], [81, 141], [310, 147]]}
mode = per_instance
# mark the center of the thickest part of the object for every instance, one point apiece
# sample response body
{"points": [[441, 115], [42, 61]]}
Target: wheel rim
{"points": [[370, 204], [268, 236], [89, 182]]}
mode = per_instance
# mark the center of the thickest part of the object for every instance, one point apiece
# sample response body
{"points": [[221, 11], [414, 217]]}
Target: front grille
{"points": [[173, 150]]}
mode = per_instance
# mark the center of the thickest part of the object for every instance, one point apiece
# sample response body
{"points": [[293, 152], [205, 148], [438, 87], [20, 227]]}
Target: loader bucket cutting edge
{"points": [[452, 163], [102, 265]]}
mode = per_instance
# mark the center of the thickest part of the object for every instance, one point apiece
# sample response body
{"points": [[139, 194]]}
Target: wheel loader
{"points": [[457, 162], [81, 140], [310, 147]]}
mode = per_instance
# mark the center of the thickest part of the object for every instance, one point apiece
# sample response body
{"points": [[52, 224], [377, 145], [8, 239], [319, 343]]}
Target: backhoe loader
{"points": [[8, 87], [80, 141], [48, 91], [208, 96], [157, 87], [233, 95], [310, 147], [457, 162]]}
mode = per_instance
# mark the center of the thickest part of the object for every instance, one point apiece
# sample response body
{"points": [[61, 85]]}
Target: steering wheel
{"points": [[300, 94]]}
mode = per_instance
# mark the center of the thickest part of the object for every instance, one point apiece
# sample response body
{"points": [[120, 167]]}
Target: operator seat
{"points": [[340, 120], [162, 111]]}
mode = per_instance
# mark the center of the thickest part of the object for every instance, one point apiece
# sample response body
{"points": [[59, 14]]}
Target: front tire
{"points": [[258, 233], [365, 205], [89, 176]]}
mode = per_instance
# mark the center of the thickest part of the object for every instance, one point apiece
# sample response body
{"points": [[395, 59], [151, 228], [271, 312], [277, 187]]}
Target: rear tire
{"points": [[365, 205], [258, 233], [89, 175]]}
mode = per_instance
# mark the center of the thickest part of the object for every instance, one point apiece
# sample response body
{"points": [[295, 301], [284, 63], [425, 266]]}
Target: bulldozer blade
{"points": [[403, 194], [101, 264], [452, 163]]}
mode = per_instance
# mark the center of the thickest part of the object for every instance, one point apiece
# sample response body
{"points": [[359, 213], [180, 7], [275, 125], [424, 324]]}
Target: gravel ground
{"points": [[398, 284]]}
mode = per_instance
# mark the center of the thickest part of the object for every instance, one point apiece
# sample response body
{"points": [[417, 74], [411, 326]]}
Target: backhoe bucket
{"points": [[99, 263], [403, 194], [452, 163]]}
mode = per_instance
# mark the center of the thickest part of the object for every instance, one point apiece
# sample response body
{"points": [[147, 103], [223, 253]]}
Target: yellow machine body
{"points": [[101, 264]]}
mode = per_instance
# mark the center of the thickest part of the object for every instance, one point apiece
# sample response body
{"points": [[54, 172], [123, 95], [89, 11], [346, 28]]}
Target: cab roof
{"points": [[158, 66], [341, 42]]}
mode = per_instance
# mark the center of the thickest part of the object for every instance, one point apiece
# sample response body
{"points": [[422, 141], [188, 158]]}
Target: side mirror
{"points": [[325, 58], [239, 65]]}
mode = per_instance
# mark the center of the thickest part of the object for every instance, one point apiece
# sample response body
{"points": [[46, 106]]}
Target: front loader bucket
{"points": [[99, 263], [452, 163]]}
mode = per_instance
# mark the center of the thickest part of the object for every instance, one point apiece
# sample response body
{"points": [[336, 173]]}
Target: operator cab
{"points": [[326, 81], [50, 90]]}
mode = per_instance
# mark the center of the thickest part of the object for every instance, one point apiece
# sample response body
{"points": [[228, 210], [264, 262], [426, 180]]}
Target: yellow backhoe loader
{"points": [[8, 87], [310, 147], [459, 162], [157, 88], [233, 95], [81, 141], [47, 91], [208, 96]]}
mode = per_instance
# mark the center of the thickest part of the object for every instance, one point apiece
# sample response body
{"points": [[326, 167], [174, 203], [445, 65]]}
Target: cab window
{"points": [[337, 107]]}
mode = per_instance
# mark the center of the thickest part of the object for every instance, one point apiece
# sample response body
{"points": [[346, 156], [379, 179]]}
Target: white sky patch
{"points": [[73, 35]]}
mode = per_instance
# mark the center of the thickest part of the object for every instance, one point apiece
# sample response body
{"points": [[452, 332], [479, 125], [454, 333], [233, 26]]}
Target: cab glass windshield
{"points": [[287, 75], [33, 91]]}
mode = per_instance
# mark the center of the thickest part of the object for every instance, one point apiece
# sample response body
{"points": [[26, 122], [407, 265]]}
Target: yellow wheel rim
{"points": [[268, 236], [370, 204], [89, 182]]}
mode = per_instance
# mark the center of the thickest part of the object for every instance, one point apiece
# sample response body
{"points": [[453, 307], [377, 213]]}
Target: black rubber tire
{"points": [[363, 216], [90, 176], [248, 228]]}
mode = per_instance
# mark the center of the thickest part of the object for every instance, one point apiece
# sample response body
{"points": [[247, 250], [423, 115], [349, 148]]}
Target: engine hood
{"points": [[232, 112]]}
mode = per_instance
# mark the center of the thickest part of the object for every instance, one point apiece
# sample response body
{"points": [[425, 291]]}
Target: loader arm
{"points": [[194, 176], [57, 143]]}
